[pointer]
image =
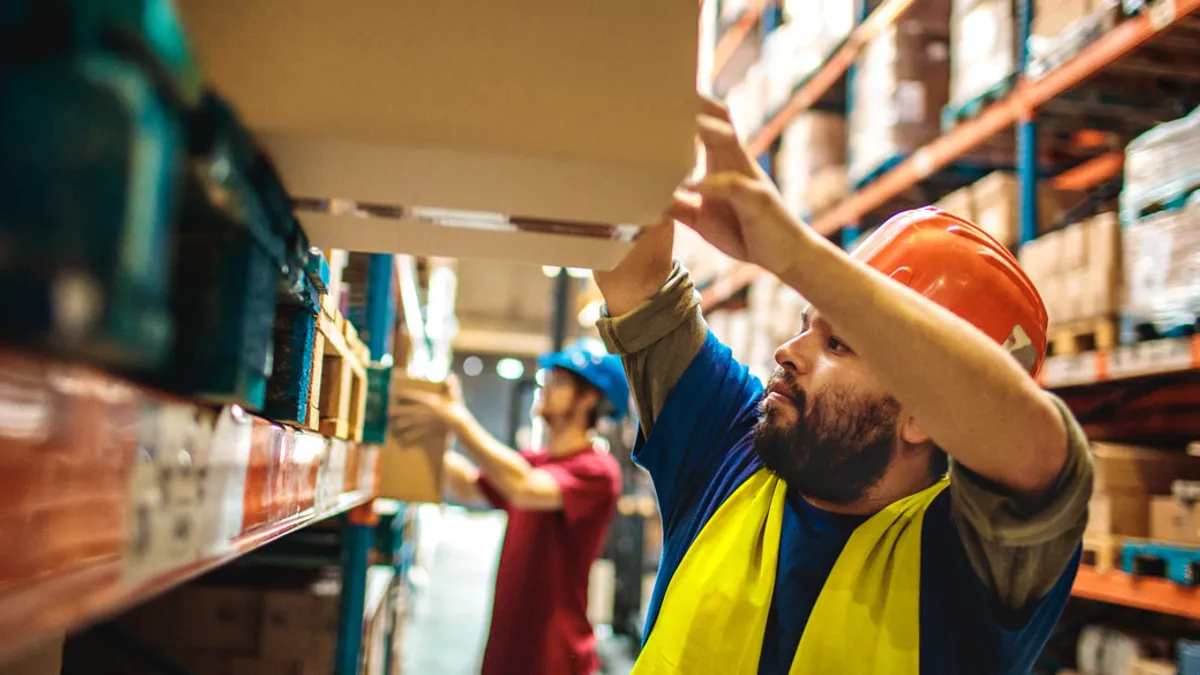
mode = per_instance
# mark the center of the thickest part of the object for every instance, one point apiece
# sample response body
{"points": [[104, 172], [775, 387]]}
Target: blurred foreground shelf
{"points": [[111, 493], [1149, 593]]}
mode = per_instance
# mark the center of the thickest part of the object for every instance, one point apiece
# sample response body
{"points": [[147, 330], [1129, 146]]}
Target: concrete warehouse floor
{"points": [[448, 621]]}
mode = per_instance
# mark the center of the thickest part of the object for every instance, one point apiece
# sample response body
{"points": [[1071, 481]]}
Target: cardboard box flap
{"points": [[516, 107]]}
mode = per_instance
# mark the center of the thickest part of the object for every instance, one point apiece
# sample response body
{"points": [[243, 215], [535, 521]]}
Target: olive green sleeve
{"points": [[657, 341], [1019, 550]]}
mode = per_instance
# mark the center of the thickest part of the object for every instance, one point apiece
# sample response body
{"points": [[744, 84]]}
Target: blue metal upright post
{"points": [[358, 539], [1027, 151], [381, 305]]}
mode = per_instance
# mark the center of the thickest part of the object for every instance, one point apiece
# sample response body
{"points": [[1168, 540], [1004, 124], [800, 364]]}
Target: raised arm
{"points": [[651, 319], [961, 389]]}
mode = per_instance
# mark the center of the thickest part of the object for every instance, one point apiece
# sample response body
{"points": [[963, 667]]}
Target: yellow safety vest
{"points": [[866, 618]]}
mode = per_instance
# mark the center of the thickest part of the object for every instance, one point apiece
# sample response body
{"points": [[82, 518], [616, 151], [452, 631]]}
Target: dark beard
{"points": [[835, 453]]}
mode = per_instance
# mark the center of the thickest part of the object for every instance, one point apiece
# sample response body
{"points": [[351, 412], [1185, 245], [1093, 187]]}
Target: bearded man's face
{"points": [[833, 450]]}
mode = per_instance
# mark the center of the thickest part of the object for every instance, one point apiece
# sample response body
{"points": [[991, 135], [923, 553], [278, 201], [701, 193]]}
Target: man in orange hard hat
{"points": [[900, 497]]}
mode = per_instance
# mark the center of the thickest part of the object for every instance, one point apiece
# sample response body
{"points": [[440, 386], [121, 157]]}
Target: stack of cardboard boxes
{"points": [[812, 31], [1132, 493], [814, 142], [900, 85], [1061, 28], [993, 203], [247, 630], [1162, 263], [1077, 269], [983, 47], [226, 630]]}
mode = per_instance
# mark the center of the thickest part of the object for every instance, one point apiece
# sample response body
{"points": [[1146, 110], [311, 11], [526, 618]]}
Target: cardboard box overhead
{"points": [[514, 108]]}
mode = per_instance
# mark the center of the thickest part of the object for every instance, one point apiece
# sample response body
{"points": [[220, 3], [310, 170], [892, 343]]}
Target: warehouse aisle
{"points": [[449, 618]]}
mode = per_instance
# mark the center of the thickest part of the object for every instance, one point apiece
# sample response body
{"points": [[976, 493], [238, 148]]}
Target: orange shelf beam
{"points": [[111, 493], [733, 38], [1091, 173], [827, 75], [1149, 593]]}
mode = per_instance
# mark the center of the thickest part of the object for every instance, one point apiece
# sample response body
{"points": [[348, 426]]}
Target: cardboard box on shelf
{"points": [[1141, 665], [287, 624], [900, 86], [1141, 469], [997, 206], [1074, 254], [551, 117], [44, 659], [411, 468], [1174, 521], [1051, 17], [1121, 513], [983, 42], [960, 203], [812, 142], [216, 618]]}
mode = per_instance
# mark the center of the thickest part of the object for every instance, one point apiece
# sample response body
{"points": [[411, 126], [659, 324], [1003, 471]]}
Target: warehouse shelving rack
{"points": [[114, 493], [1104, 375], [1018, 109]]}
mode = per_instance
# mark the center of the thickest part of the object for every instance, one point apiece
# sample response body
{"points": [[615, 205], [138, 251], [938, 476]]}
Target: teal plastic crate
{"points": [[289, 387], [90, 180], [375, 426]]}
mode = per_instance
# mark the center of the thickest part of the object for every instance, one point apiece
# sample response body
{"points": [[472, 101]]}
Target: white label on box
{"points": [[910, 101], [225, 480], [1162, 14], [164, 497]]}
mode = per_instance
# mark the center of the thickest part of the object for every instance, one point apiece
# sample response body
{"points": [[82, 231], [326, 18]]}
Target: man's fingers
{"points": [[714, 108], [734, 188], [723, 147], [685, 208]]}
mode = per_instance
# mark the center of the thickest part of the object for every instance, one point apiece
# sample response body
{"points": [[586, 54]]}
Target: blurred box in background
{"points": [[411, 466], [900, 86], [983, 48]]}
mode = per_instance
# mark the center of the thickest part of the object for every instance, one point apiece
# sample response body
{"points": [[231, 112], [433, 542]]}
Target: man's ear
{"points": [[912, 433]]}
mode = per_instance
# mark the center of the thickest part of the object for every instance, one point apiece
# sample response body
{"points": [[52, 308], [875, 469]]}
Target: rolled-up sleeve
{"points": [[657, 341], [1019, 550]]}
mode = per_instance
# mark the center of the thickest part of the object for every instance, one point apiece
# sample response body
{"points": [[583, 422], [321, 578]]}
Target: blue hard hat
{"points": [[589, 359]]}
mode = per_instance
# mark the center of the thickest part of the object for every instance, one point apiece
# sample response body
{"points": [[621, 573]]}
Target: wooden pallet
{"points": [[1102, 551], [1084, 335], [1176, 562], [338, 393]]}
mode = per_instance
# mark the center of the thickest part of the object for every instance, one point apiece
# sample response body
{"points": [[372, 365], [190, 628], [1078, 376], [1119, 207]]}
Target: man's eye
{"points": [[839, 346]]}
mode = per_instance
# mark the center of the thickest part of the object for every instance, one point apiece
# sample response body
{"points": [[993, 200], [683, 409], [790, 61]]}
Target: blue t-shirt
{"points": [[699, 452]]}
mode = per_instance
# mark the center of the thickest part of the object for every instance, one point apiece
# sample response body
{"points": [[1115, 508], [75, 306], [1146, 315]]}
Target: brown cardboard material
{"points": [[1051, 17], [511, 108], [1104, 241], [287, 624], [983, 43], [1141, 665], [411, 468], [217, 618], [44, 659], [997, 207], [1121, 513], [1075, 246], [960, 203], [1141, 469], [1174, 521]]}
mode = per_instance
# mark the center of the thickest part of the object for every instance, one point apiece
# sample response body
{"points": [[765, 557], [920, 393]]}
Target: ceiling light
{"points": [[510, 369]]}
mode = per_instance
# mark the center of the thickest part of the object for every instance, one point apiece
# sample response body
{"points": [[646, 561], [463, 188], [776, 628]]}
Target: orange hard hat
{"points": [[954, 263]]}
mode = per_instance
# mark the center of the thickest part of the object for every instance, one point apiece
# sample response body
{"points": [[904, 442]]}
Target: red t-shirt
{"points": [[539, 616]]}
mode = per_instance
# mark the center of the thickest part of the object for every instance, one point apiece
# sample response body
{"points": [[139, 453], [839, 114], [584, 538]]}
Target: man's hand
{"points": [[740, 211]]}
